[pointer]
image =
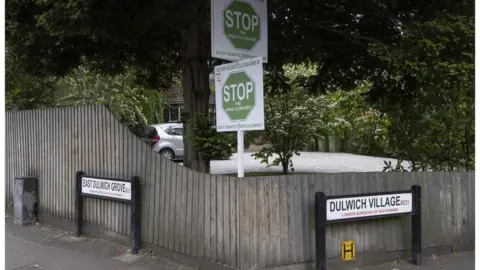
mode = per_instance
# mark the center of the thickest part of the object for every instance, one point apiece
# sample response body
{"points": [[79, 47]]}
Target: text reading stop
{"points": [[240, 20], [237, 92]]}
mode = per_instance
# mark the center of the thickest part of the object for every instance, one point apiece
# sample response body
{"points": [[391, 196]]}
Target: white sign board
{"points": [[239, 95], [114, 189], [239, 29], [369, 206]]}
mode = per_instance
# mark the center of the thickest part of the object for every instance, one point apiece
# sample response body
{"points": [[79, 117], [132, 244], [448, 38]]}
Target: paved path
{"points": [[307, 162], [459, 261], [44, 247]]}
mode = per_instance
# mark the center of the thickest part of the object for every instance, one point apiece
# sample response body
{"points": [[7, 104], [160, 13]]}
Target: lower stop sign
{"points": [[238, 96]]}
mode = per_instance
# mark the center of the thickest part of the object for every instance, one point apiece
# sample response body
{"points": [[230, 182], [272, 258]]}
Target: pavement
{"points": [[44, 247], [458, 261]]}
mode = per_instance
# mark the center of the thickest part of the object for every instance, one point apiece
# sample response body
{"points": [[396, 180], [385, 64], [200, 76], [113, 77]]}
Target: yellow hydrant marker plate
{"points": [[348, 250]]}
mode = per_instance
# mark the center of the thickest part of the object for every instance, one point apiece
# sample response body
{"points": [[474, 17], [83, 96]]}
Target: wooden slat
{"points": [[184, 209], [311, 211], [156, 184], [283, 220], [297, 221], [426, 215], [171, 207], [207, 219], [307, 256], [226, 201], [263, 223], [213, 219], [166, 205], [8, 161], [200, 239], [244, 201], [220, 220], [275, 220], [192, 214], [161, 202], [233, 222], [178, 208]]}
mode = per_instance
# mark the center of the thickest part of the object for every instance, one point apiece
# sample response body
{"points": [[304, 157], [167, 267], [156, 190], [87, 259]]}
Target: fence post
{"points": [[417, 225], [320, 220], [136, 215], [79, 202]]}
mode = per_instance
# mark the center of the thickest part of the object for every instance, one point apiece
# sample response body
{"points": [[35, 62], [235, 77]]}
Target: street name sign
{"points": [[369, 206], [109, 188], [239, 95], [239, 29]]}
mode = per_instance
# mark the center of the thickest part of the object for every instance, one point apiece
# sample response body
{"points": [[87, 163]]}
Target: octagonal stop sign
{"points": [[238, 96], [241, 25]]}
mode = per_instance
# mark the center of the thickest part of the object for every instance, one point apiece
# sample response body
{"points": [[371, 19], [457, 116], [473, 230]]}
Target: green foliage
{"points": [[292, 118], [149, 36], [343, 108], [160, 39], [24, 91], [209, 143], [370, 134], [427, 92], [136, 106]]}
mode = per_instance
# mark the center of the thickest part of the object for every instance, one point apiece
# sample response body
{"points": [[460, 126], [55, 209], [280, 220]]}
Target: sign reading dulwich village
{"points": [[368, 206]]}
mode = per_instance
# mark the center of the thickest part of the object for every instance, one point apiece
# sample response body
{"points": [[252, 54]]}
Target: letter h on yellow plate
{"points": [[348, 250]]}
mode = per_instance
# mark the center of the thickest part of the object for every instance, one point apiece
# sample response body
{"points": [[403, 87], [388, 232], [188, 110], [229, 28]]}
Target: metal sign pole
{"points": [[240, 153]]}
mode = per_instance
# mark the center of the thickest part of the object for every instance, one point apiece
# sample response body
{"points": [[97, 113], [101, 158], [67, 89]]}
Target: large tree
{"points": [[427, 91], [164, 38]]}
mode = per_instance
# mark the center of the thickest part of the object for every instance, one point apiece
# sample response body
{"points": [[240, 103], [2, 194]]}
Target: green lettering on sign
{"points": [[238, 96], [241, 25]]}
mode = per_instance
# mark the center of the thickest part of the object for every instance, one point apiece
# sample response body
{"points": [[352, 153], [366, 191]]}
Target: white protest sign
{"points": [[239, 29], [369, 206], [239, 95]]}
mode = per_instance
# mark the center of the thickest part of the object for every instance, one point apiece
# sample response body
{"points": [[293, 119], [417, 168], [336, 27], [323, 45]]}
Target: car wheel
{"points": [[167, 153]]}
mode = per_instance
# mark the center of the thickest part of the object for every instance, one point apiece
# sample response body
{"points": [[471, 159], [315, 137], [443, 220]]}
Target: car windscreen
{"points": [[173, 130]]}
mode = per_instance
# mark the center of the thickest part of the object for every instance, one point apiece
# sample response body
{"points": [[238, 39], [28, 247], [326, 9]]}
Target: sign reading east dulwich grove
{"points": [[368, 206], [239, 29], [239, 95], [126, 191], [107, 188]]}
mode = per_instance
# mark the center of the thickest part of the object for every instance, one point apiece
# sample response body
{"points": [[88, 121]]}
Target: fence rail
{"points": [[245, 223]]}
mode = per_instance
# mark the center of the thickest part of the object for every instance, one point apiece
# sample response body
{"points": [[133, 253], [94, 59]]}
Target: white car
{"points": [[166, 139]]}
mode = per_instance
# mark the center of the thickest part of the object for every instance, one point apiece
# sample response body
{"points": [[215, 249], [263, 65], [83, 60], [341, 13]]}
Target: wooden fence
{"points": [[244, 223]]}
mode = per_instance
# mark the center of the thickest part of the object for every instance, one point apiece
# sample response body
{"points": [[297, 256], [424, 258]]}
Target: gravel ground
{"points": [[307, 162]]}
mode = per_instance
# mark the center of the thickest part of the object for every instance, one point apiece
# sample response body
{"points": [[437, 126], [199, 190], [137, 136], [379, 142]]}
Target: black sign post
{"points": [[377, 205], [110, 189]]}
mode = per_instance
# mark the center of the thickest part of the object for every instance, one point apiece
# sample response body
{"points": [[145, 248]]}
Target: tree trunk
{"points": [[285, 166], [196, 88], [327, 143]]}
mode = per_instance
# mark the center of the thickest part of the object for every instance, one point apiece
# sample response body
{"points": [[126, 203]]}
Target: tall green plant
{"points": [[210, 143], [427, 90], [291, 120], [24, 91], [136, 105]]}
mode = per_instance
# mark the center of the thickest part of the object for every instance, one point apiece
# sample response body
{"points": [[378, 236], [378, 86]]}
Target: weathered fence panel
{"points": [[52, 144], [281, 230], [246, 223]]}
